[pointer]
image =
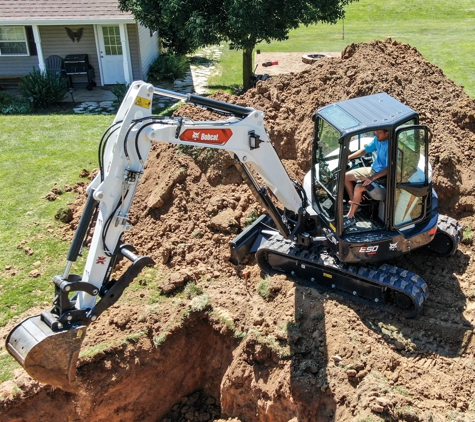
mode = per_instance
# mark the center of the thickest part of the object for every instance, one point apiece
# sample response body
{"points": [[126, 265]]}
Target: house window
{"points": [[13, 41]]}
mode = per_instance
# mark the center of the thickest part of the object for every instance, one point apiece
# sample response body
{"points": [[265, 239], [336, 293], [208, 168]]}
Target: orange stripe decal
{"points": [[207, 136]]}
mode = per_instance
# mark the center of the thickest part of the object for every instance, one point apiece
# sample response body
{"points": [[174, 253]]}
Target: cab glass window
{"points": [[411, 173], [327, 168]]}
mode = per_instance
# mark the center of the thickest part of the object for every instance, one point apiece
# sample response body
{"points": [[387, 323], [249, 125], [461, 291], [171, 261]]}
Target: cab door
{"points": [[413, 184]]}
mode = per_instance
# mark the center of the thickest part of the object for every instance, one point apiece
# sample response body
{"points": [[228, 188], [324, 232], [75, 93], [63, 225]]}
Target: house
{"points": [[118, 48]]}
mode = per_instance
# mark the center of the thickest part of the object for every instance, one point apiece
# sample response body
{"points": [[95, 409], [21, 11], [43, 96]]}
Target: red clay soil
{"points": [[198, 339]]}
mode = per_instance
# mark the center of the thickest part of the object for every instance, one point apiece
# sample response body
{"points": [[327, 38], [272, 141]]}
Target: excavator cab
{"points": [[399, 211]]}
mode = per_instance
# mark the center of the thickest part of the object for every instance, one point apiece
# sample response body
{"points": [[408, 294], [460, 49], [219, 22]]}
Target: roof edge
{"points": [[46, 22]]}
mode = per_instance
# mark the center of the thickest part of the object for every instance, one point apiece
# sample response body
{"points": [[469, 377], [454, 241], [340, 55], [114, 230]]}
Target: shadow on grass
{"points": [[202, 61]]}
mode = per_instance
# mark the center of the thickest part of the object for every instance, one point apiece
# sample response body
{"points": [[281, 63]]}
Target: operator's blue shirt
{"points": [[381, 148]]}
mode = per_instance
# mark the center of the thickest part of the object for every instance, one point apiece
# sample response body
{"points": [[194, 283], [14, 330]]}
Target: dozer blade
{"points": [[48, 357]]}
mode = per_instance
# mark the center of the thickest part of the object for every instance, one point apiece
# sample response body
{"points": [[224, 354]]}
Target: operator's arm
{"points": [[357, 154], [379, 174]]}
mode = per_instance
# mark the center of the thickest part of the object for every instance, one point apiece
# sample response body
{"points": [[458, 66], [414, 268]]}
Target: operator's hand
{"points": [[367, 181]]}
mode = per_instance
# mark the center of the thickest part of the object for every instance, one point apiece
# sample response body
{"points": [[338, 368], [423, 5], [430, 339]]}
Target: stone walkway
{"points": [[196, 81]]}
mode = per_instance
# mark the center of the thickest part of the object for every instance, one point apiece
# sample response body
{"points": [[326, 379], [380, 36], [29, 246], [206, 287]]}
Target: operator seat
{"points": [[376, 198], [377, 190]]}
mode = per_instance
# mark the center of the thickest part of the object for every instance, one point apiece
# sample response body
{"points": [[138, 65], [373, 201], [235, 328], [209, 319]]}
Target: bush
{"points": [[6, 99], [10, 104], [119, 90], [168, 67], [43, 88]]}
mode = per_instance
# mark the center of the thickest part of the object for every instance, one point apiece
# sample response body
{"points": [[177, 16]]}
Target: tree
{"points": [[186, 25]]}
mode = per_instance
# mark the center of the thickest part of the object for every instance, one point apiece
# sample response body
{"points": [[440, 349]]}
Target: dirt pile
{"points": [[269, 349]]}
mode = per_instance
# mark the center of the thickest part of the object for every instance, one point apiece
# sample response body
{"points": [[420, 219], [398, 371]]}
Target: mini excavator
{"points": [[301, 235]]}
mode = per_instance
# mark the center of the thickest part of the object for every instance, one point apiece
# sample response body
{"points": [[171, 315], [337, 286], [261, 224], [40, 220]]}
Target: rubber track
{"points": [[452, 228], [392, 278]]}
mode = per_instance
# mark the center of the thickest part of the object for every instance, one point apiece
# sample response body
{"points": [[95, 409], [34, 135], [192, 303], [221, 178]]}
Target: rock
{"points": [[173, 282], [51, 196], [224, 222], [377, 408], [362, 374]]}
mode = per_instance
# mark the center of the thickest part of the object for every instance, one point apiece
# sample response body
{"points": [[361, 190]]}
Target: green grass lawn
{"points": [[38, 153], [441, 31]]}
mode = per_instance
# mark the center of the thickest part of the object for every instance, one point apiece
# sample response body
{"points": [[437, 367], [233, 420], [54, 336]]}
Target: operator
{"points": [[364, 176]]}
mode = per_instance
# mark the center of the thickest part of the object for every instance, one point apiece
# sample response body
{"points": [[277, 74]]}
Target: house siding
{"points": [[148, 48], [134, 52], [17, 65], [55, 41]]}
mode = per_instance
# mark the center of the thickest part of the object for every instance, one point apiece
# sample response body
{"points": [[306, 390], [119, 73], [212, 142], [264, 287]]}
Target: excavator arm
{"points": [[48, 345]]}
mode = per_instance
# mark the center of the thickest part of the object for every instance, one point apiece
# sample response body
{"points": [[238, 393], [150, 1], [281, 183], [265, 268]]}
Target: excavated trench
{"points": [[143, 384], [201, 372]]}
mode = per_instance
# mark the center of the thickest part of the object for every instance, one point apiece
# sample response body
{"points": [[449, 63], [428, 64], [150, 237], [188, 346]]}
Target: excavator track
{"points": [[449, 235], [385, 287]]}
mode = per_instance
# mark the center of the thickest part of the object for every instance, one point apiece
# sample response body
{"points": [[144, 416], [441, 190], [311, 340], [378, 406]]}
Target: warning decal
{"points": [[142, 102]]}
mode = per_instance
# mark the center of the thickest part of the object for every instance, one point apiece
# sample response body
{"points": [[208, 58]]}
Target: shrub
{"points": [[43, 88], [10, 104], [168, 67], [119, 90], [5, 99]]}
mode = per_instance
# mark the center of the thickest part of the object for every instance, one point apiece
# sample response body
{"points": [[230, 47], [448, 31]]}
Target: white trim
{"points": [[124, 39], [39, 49], [98, 51]]}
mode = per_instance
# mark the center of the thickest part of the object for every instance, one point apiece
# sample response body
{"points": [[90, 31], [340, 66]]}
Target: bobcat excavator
{"points": [[301, 235]]}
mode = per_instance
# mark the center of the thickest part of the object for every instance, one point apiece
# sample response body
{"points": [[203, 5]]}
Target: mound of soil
{"points": [[257, 348]]}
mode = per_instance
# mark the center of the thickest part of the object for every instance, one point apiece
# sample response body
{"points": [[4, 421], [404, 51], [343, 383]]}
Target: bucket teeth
{"points": [[49, 357]]}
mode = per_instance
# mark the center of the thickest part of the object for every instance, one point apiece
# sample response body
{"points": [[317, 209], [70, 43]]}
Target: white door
{"points": [[111, 55]]}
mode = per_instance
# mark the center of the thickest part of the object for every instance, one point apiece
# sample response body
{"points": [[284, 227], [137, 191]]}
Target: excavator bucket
{"points": [[48, 356]]}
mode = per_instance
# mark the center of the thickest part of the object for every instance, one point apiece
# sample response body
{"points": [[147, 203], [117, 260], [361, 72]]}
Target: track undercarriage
{"points": [[384, 286]]}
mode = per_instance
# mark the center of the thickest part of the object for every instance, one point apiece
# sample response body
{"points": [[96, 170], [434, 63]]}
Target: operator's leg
{"points": [[350, 180], [354, 176], [357, 197], [355, 192]]}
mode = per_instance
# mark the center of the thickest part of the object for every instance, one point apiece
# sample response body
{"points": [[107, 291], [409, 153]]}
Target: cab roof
{"points": [[366, 113]]}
